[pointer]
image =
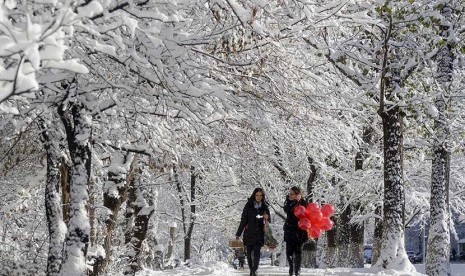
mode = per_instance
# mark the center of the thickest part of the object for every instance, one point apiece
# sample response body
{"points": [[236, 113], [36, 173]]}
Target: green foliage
{"points": [[462, 49], [342, 59], [412, 28], [383, 10]]}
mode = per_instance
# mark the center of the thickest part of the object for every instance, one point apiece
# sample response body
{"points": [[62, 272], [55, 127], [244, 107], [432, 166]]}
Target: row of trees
{"points": [[138, 114]]}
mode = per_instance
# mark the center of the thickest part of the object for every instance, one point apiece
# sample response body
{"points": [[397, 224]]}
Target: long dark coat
{"points": [[292, 232], [253, 227]]}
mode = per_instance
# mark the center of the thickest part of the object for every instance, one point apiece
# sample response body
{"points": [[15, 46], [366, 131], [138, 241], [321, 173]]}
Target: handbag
{"points": [[270, 241]]}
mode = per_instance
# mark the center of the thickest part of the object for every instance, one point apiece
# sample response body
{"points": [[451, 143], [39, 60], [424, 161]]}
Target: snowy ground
{"points": [[223, 269]]}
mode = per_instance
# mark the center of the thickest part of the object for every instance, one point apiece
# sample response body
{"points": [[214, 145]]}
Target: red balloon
{"points": [[317, 223], [300, 211], [312, 207], [314, 232], [326, 224], [304, 224], [315, 216], [327, 210]]}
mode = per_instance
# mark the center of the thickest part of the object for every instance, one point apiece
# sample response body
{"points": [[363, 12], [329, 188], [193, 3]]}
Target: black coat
{"points": [[292, 232], [253, 227]]}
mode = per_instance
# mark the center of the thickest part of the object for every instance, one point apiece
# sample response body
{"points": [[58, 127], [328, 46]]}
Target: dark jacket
{"points": [[253, 227], [292, 232]]}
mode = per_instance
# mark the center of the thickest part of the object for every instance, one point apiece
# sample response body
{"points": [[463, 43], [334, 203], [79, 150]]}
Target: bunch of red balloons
{"points": [[313, 219]]}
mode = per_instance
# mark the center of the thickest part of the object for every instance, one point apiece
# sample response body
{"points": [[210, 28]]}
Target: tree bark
{"points": [[331, 255], [343, 235], [330, 259], [378, 235], [437, 258], [169, 254], [78, 125], [356, 246], [53, 210], [64, 181], [309, 253], [130, 211], [188, 238], [279, 164], [141, 223], [392, 245], [91, 211], [188, 222], [141, 212], [357, 230], [114, 195]]}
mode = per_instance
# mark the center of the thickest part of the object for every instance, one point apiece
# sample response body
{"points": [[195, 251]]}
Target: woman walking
{"points": [[293, 235], [254, 216]]}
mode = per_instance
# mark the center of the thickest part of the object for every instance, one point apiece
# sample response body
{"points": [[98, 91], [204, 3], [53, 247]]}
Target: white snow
{"points": [[433, 111], [90, 9], [224, 269]]}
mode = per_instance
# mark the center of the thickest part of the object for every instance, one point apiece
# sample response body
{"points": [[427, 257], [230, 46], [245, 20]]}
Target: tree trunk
{"points": [[343, 234], [330, 259], [392, 246], [356, 246], [309, 252], [130, 211], [141, 223], [114, 195], [378, 235], [187, 248], [437, 258], [188, 222], [155, 258], [64, 181], [169, 254], [78, 125], [182, 203], [53, 210], [279, 164], [188, 238], [357, 230], [142, 213], [91, 211]]}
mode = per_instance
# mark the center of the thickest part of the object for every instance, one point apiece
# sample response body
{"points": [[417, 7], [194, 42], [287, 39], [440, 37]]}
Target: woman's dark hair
{"points": [[296, 190], [252, 197]]}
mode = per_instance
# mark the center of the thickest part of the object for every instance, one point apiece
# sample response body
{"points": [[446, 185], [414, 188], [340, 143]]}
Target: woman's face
{"points": [[258, 196], [293, 195]]}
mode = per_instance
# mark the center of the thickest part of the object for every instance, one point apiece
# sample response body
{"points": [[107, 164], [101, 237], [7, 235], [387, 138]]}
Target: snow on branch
{"points": [[29, 47]]}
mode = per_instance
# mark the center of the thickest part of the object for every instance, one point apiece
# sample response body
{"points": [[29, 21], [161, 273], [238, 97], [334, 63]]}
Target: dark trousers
{"points": [[253, 256], [294, 256]]}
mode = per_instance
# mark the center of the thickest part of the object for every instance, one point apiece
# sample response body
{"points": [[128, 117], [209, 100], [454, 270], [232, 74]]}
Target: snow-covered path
{"points": [[223, 269], [283, 271]]}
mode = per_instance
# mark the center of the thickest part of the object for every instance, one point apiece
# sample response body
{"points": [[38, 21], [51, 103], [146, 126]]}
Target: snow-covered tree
{"points": [[34, 37], [437, 258]]}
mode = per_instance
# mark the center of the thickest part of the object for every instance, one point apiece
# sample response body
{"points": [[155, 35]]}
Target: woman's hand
{"points": [[265, 217]]}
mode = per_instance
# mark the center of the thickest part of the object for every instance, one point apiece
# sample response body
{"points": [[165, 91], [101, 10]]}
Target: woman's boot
{"points": [[291, 266], [298, 261]]}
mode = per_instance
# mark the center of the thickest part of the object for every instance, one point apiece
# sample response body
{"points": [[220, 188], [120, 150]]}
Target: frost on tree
{"points": [[78, 125], [392, 255], [51, 140], [437, 258], [33, 40]]}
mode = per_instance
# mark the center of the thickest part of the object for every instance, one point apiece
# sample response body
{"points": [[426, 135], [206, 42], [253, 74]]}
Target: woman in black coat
{"points": [[254, 216], [293, 235]]}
